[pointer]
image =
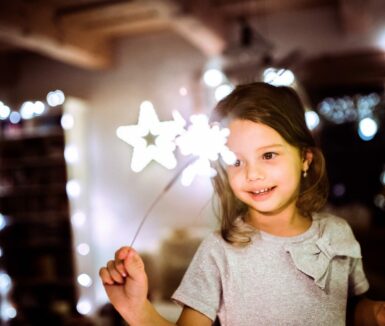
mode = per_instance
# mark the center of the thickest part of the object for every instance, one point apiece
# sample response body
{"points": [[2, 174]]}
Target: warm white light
{"points": [[278, 77], [71, 154], [379, 201], [312, 119], [367, 128], [199, 167], [84, 306], [222, 91], [10, 312], [179, 120], [83, 249], [78, 219], [39, 107], [162, 146], [5, 283], [5, 111], [3, 222], [67, 121], [213, 77], [7, 311], [382, 178], [85, 280], [73, 188], [183, 91], [381, 39], [346, 109], [15, 117], [27, 110], [55, 98], [206, 143]]}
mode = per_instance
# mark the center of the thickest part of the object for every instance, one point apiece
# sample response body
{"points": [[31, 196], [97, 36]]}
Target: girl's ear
{"points": [[307, 159]]}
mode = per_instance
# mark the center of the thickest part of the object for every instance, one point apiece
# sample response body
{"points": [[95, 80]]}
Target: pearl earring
{"points": [[304, 174]]}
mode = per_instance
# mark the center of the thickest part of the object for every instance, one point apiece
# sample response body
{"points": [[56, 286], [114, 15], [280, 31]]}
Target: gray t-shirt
{"points": [[300, 280]]}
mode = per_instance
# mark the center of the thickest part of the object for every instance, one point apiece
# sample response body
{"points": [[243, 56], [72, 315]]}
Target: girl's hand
{"points": [[125, 282], [380, 313]]}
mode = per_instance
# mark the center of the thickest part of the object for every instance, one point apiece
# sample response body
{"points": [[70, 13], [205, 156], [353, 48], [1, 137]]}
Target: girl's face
{"points": [[267, 173]]}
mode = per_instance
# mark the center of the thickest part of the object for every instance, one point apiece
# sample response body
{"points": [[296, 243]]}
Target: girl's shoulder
{"points": [[214, 244], [213, 240], [330, 223], [336, 233]]}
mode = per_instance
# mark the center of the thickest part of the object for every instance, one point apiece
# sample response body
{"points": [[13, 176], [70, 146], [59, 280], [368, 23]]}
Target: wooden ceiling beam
{"points": [[119, 19], [201, 24], [209, 41], [80, 37], [354, 16], [31, 27]]}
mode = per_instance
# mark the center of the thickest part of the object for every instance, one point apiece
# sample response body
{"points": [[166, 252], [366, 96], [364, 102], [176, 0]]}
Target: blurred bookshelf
{"points": [[36, 239]]}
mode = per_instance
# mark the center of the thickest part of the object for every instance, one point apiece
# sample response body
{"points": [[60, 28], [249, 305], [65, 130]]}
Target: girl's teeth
{"points": [[261, 191]]}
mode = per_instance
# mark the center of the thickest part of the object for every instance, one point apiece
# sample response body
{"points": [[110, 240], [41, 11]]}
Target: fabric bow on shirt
{"points": [[314, 258]]}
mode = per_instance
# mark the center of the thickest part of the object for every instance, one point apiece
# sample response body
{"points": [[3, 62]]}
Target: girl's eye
{"points": [[237, 163], [269, 155]]}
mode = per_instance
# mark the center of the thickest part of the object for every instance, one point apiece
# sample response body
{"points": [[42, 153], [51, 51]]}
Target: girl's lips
{"points": [[261, 195]]}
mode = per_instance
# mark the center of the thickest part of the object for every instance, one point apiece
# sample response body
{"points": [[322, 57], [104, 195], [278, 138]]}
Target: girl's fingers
{"points": [[120, 255], [105, 276], [134, 266], [114, 273]]}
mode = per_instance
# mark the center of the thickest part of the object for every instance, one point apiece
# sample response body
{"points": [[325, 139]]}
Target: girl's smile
{"points": [[262, 194]]}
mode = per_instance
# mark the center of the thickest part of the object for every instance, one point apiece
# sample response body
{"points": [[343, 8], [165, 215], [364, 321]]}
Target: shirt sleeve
{"points": [[358, 283], [201, 288]]}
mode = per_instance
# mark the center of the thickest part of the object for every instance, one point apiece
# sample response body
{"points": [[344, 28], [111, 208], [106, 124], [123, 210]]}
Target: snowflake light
{"points": [[151, 139], [205, 142]]}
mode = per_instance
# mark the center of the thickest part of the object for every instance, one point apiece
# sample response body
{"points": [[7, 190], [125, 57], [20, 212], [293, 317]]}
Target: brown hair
{"points": [[281, 109]]}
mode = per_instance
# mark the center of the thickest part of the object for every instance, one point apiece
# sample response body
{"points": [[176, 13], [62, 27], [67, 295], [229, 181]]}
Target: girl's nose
{"points": [[255, 173]]}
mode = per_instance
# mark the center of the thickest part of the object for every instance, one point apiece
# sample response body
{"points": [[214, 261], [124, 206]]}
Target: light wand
{"points": [[159, 197]]}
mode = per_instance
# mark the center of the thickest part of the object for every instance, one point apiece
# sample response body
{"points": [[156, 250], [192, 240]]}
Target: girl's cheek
{"points": [[235, 180]]}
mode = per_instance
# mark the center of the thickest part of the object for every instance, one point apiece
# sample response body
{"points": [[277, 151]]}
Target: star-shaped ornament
{"points": [[205, 142], [151, 139]]}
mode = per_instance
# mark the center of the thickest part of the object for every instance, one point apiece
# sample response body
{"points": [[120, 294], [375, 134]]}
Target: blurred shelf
{"points": [[42, 133], [39, 282], [57, 159], [39, 216], [37, 240], [32, 190]]}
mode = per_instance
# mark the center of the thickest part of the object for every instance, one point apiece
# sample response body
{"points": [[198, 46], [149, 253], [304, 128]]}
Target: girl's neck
{"points": [[288, 223]]}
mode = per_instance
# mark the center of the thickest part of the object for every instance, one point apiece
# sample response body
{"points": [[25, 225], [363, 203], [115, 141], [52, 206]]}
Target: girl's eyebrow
{"points": [[269, 146]]}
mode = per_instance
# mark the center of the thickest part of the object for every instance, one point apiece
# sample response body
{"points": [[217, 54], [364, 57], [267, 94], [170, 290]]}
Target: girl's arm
{"points": [[368, 312], [126, 285], [188, 317]]}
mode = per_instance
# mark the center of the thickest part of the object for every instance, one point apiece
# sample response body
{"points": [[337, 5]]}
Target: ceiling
{"points": [[80, 32]]}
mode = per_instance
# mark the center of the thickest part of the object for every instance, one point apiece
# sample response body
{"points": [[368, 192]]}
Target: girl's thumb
{"points": [[134, 266]]}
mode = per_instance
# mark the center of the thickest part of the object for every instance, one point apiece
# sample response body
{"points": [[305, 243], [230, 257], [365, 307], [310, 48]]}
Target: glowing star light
{"points": [[151, 139], [205, 142]]}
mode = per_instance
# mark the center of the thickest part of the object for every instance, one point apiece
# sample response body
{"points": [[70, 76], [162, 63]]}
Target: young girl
{"points": [[275, 260]]}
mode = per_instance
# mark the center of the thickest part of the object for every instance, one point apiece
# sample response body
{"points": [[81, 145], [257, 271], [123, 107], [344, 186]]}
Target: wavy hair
{"points": [[280, 108]]}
